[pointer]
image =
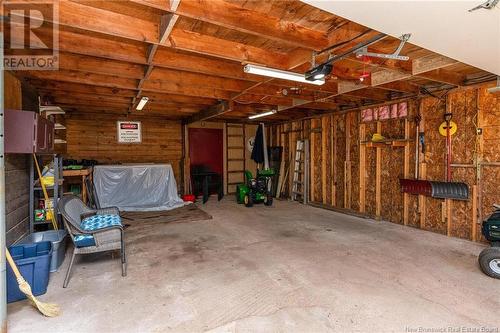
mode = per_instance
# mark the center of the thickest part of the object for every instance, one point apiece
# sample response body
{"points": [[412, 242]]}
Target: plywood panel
{"points": [[316, 161], [434, 110], [392, 169], [370, 172], [354, 157], [340, 160]]}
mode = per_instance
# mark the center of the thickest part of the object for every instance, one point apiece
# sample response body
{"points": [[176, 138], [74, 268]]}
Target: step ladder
{"points": [[300, 184]]}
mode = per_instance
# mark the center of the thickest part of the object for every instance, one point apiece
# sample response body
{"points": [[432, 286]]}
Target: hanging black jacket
{"points": [[258, 146]]}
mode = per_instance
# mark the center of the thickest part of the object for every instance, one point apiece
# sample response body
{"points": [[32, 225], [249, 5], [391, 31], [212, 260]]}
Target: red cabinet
{"points": [[27, 132]]}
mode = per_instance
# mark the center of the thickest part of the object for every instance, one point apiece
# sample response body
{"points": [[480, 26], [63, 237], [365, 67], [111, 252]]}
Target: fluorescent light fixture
{"points": [[279, 74], [141, 104], [263, 114]]}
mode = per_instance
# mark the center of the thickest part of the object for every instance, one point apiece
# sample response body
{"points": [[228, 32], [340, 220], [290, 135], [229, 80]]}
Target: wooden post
{"points": [[312, 159], [479, 156], [324, 132], [347, 164], [449, 204], [362, 169], [422, 198], [474, 214], [378, 175], [422, 170], [334, 160], [406, 171], [291, 153]]}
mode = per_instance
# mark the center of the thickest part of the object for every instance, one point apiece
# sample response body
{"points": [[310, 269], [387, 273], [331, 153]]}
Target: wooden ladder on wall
{"points": [[235, 156], [300, 184]]}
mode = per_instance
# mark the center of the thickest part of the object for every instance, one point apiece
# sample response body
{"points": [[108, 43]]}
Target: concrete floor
{"points": [[287, 268]]}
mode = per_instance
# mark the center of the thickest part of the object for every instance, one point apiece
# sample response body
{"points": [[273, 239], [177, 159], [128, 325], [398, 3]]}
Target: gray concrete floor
{"points": [[286, 268]]}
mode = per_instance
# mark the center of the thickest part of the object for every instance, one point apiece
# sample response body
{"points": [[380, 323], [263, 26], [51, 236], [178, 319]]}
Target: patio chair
{"points": [[92, 230]]}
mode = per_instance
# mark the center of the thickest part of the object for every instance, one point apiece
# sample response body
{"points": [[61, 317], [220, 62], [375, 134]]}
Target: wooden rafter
{"points": [[112, 53]]}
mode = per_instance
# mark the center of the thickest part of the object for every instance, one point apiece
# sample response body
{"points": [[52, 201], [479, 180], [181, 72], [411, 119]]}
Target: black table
{"points": [[205, 178]]}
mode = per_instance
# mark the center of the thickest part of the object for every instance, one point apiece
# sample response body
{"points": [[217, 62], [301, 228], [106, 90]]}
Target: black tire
{"points": [[248, 200], [490, 257], [268, 201]]}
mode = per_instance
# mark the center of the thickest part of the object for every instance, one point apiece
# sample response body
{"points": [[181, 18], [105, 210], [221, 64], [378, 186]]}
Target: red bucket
{"points": [[189, 197]]}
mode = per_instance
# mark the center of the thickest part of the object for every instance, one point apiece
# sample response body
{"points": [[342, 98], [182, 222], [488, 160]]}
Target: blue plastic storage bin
{"points": [[33, 261], [58, 239]]}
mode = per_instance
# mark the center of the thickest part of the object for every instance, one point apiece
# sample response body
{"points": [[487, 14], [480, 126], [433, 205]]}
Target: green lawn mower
{"points": [[255, 190], [489, 259]]}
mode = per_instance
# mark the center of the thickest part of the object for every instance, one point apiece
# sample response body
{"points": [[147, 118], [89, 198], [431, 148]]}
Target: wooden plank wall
{"points": [[95, 137], [16, 173], [364, 180]]}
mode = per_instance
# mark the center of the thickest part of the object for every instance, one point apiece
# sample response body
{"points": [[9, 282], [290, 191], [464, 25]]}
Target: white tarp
{"points": [[146, 187]]}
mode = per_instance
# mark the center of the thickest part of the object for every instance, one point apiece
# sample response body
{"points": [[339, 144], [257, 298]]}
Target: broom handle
{"points": [[54, 223], [12, 264]]}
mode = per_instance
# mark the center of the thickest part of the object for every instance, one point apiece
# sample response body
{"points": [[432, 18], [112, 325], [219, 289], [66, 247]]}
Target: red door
{"points": [[205, 148]]}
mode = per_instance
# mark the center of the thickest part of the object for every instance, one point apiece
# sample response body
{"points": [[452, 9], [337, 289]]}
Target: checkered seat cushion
{"points": [[93, 223]]}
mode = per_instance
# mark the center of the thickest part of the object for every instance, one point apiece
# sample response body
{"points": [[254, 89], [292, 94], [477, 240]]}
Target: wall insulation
{"points": [[352, 173]]}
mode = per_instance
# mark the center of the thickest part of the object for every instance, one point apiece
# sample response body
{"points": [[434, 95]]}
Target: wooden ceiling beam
{"points": [[173, 98], [66, 87], [167, 22], [401, 86], [61, 100], [387, 76], [71, 61], [193, 79], [100, 21], [175, 88], [157, 4], [85, 96], [211, 111], [222, 48], [170, 58], [82, 77], [79, 43], [444, 76], [369, 93], [236, 17], [431, 62]]}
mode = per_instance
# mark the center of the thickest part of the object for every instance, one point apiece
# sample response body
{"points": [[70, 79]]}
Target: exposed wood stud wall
{"points": [[373, 187]]}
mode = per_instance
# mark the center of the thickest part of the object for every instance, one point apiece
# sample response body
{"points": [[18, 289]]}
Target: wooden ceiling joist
{"points": [[83, 78], [188, 56], [235, 17], [431, 62]]}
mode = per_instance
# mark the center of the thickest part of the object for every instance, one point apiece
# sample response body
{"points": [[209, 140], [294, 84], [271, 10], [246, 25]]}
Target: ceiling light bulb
{"points": [[141, 104], [279, 74], [263, 114]]}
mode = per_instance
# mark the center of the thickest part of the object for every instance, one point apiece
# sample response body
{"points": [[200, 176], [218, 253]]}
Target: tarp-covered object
{"points": [[137, 187]]}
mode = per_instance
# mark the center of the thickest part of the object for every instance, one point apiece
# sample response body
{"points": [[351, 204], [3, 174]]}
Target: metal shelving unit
{"points": [[36, 193]]}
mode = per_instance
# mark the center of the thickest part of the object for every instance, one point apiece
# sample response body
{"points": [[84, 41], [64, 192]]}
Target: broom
{"points": [[47, 309]]}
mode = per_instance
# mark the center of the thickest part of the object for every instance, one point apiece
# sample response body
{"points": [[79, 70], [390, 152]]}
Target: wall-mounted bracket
{"points": [[489, 4], [395, 55]]}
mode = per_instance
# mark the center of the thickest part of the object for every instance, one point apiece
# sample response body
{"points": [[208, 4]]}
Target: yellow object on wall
{"points": [[453, 128]]}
